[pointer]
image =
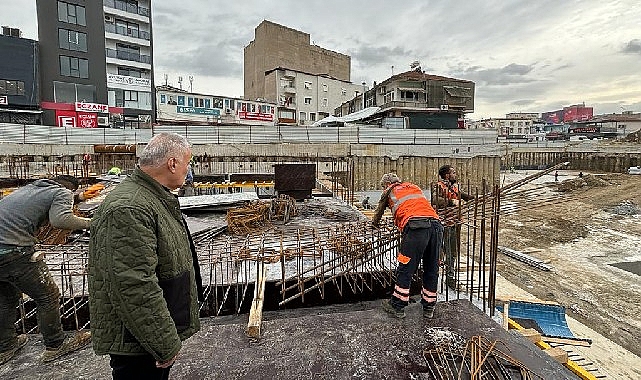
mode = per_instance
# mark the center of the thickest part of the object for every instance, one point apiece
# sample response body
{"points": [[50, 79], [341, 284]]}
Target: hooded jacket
{"points": [[142, 279], [27, 209]]}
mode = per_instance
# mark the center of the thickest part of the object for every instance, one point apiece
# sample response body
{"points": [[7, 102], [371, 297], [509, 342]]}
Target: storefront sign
{"points": [[65, 118], [198, 111], [255, 116], [92, 107], [127, 82], [87, 120], [4, 101]]}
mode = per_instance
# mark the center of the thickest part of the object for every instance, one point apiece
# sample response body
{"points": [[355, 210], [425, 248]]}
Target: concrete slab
{"points": [[355, 341]]}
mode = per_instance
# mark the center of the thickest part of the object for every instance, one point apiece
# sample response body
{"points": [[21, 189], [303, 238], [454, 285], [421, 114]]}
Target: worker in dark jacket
{"points": [[421, 238], [22, 213], [143, 272], [449, 195]]}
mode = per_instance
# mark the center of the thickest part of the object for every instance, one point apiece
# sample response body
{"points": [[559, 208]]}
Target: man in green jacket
{"points": [[143, 273]]}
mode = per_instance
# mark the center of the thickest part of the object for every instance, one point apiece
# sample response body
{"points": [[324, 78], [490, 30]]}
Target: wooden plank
{"points": [[573, 342], [256, 312], [557, 354]]}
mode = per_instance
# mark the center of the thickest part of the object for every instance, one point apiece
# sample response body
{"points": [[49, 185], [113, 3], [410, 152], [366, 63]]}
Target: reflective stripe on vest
{"points": [[449, 192], [406, 201]]}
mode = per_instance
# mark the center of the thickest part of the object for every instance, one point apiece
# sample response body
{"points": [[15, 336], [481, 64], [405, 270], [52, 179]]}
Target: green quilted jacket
{"points": [[142, 281]]}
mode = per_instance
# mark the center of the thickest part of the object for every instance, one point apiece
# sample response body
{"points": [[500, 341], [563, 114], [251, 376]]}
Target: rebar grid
{"points": [[480, 359]]}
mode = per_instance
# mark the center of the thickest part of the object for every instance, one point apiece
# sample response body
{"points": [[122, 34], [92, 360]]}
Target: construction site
{"points": [[294, 271]]}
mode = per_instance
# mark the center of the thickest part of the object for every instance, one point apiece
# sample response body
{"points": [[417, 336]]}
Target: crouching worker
{"points": [[421, 238], [22, 213]]}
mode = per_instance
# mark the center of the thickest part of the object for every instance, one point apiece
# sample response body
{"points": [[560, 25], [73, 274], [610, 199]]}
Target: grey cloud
{"points": [[207, 60], [633, 47], [506, 75], [375, 55], [524, 102]]}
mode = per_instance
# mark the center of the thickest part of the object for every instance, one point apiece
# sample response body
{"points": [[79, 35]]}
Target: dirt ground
{"points": [[581, 231]]}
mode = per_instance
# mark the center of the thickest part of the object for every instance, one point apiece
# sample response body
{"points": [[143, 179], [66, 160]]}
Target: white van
{"points": [[579, 138]]}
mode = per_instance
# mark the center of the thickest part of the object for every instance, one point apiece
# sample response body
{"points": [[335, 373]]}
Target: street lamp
{"points": [[364, 89]]}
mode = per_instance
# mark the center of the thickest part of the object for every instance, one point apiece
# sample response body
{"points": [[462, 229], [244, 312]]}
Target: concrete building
{"points": [[97, 63], [176, 106], [416, 100], [281, 66], [512, 128], [19, 79], [303, 98]]}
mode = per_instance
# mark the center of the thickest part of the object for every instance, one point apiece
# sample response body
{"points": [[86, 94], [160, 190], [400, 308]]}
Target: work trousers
{"points": [[421, 239], [451, 236], [19, 274], [136, 367]]}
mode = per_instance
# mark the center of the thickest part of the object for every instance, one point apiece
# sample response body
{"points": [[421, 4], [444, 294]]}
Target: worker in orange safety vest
{"points": [[449, 195], [421, 238]]}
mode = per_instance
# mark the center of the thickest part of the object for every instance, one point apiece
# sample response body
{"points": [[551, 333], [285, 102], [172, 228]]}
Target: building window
{"points": [[308, 85], [74, 67], [162, 98], [71, 13], [11, 87], [72, 40], [312, 116], [131, 72], [324, 102], [302, 116], [131, 96], [126, 28], [208, 103], [343, 91], [181, 100], [324, 88], [308, 100], [64, 92]]}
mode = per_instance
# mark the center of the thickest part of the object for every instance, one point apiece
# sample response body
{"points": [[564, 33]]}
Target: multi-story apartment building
{"points": [[416, 100], [176, 106], [303, 98], [281, 66], [97, 66], [19, 78], [510, 127]]}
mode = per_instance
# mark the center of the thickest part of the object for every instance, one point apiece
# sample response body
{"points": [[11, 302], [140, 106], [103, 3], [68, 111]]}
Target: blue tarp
{"points": [[548, 319]]}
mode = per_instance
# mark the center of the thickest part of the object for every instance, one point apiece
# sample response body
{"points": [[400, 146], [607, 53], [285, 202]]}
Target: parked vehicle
{"points": [[634, 170]]}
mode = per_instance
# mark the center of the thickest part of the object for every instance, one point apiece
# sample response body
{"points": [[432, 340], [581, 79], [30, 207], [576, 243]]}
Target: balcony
{"points": [[403, 104], [121, 30], [127, 56], [126, 7], [289, 89]]}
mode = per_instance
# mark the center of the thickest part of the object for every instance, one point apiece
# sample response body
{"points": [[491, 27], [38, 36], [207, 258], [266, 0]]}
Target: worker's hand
{"points": [[166, 364], [455, 202]]}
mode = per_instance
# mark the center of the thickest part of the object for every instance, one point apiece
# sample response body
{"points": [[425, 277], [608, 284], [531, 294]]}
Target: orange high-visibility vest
{"points": [[450, 192], [408, 201]]}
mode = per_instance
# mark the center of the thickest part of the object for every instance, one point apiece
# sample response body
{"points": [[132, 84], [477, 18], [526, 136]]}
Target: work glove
{"points": [[91, 192]]}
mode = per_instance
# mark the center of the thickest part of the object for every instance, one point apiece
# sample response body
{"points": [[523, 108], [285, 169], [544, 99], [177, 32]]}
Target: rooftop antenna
{"points": [[392, 70], [180, 82], [166, 78], [191, 83]]}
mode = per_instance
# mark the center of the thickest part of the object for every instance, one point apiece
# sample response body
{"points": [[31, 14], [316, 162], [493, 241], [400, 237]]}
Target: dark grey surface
{"points": [[356, 341]]}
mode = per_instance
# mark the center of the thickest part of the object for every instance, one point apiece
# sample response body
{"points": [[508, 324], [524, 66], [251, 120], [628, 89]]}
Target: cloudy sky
{"points": [[524, 56]]}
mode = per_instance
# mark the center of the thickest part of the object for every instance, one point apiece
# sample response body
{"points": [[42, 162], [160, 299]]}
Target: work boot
{"points": [[70, 344], [388, 307], [5, 356], [428, 311]]}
